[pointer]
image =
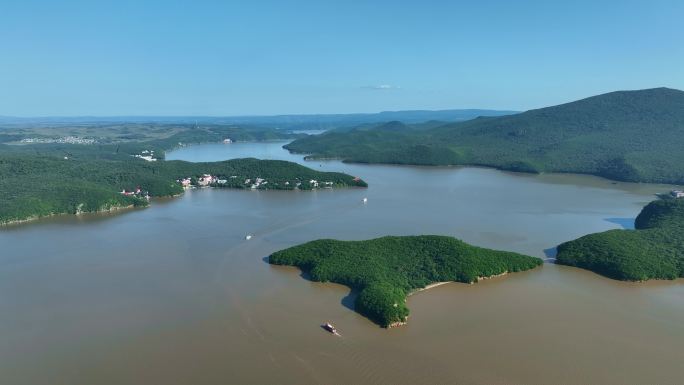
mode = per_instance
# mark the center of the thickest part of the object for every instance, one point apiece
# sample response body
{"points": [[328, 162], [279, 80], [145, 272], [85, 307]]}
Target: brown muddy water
{"points": [[174, 294]]}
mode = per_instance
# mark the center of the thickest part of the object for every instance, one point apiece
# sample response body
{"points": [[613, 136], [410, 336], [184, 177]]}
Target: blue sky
{"points": [[273, 57]]}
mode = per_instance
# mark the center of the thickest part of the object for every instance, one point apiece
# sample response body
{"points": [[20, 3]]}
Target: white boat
{"points": [[329, 327], [365, 200], [248, 237]]}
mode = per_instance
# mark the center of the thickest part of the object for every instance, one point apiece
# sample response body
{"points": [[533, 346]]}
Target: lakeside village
{"points": [[208, 180]]}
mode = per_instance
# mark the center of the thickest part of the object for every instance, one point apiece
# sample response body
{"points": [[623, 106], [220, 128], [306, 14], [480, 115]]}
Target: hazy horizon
{"points": [[126, 116], [251, 116]]}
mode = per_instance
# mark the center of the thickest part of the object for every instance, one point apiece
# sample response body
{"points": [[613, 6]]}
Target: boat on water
{"points": [[329, 327], [365, 200], [248, 237]]}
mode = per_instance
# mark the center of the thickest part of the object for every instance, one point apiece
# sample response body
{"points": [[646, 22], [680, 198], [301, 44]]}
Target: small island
{"points": [[654, 250], [386, 270]]}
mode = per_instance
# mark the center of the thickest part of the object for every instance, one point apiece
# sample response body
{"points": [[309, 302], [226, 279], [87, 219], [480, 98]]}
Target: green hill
{"points": [[655, 250], [385, 270], [627, 135]]}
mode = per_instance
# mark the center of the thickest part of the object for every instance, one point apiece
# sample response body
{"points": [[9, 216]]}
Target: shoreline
{"points": [[436, 284], [343, 159], [428, 287], [490, 277], [34, 218]]}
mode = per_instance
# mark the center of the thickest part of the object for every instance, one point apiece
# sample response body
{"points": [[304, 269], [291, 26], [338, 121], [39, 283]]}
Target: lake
{"points": [[174, 294]]}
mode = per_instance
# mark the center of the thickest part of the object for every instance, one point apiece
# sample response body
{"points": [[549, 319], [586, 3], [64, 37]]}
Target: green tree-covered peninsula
{"points": [[385, 270], [654, 250], [34, 186], [49, 168]]}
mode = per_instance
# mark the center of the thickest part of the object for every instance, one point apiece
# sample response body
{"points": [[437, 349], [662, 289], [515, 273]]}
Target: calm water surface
{"points": [[174, 294]]}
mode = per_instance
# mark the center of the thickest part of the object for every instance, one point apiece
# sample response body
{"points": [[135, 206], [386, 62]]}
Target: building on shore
{"points": [[205, 180]]}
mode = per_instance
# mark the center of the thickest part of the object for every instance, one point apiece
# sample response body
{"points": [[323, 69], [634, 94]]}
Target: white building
{"points": [[205, 180]]}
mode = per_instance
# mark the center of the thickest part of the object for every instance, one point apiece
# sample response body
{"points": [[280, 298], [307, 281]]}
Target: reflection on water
{"points": [[174, 294], [625, 223]]}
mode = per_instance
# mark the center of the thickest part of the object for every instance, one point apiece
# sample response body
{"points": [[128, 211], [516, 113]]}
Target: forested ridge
{"points": [[632, 136]]}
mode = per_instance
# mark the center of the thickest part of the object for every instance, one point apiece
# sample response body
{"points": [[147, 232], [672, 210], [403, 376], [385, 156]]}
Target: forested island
{"points": [[386, 270], [634, 136], [655, 250], [53, 167]]}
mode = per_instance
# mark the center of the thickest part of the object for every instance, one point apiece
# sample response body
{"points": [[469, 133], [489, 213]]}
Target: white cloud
{"points": [[382, 87]]}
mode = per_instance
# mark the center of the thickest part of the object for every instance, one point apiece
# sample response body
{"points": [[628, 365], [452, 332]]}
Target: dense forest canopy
{"points": [[655, 250], [627, 135], [81, 175], [385, 270]]}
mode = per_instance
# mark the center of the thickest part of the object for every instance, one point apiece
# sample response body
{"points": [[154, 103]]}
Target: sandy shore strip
{"points": [[430, 286]]}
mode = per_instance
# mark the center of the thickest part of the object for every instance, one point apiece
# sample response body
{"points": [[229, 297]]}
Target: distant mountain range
{"points": [[625, 135], [299, 122]]}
